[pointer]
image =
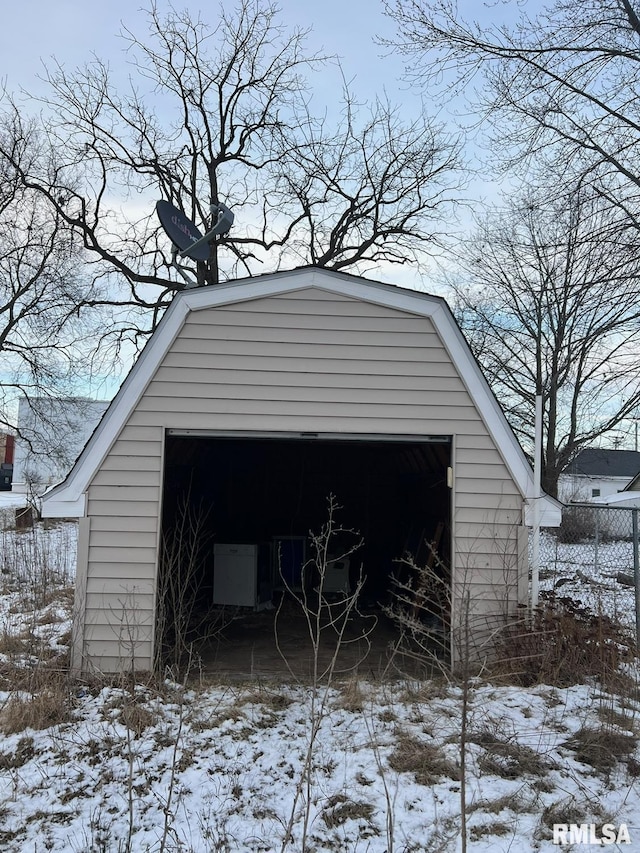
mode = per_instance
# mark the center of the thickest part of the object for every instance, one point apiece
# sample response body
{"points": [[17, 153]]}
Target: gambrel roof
{"points": [[68, 498]]}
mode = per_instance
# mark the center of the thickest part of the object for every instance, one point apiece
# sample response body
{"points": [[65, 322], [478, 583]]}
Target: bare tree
{"points": [[567, 80], [223, 114], [549, 303], [371, 190], [45, 325]]}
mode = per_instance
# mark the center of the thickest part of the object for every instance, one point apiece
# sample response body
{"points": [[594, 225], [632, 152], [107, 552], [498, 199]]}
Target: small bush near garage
{"points": [[562, 645]]}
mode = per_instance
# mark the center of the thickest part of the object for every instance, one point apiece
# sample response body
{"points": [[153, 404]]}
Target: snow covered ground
{"points": [[108, 766]]}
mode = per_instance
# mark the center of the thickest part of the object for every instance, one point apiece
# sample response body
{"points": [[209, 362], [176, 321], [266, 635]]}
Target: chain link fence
{"points": [[593, 558]]}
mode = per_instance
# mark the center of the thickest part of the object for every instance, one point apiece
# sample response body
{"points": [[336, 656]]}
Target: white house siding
{"points": [[305, 361], [580, 487]]}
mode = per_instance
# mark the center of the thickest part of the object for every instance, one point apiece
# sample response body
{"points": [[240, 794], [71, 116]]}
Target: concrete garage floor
{"points": [[245, 647]]}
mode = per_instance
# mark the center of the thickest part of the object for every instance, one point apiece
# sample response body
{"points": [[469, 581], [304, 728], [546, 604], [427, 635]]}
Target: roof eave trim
{"points": [[65, 508]]}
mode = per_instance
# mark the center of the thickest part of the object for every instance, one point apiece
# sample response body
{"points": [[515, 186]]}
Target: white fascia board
{"points": [[342, 284]]}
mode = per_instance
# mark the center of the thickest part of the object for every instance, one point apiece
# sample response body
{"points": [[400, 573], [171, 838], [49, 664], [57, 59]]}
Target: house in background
{"points": [[614, 517], [258, 398], [616, 520], [51, 433], [7, 442], [598, 473]]}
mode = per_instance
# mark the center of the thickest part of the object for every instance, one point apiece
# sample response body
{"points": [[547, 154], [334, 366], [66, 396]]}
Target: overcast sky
{"points": [[34, 31], [70, 30]]}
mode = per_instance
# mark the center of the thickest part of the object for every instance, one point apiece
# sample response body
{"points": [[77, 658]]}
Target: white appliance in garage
{"points": [[336, 576], [235, 575]]}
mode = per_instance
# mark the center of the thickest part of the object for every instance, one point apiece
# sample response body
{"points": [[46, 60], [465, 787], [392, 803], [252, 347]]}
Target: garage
{"points": [[253, 402], [265, 497]]}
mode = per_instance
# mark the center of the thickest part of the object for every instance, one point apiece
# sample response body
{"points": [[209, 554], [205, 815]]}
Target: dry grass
{"points": [[567, 810], [611, 717], [272, 700], [352, 697], [476, 833], [12, 645], [562, 645], [509, 802], [425, 760], [340, 809], [23, 752], [128, 707], [51, 672], [601, 748], [507, 758], [58, 596], [137, 718], [423, 692], [633, 767], [199, 723], [387, 716], [48, 707]]}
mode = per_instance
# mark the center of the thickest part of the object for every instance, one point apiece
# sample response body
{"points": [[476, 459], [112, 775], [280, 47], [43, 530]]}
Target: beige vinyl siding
{"points": [[241, 362], [105, 525], [123, 503], [305, 361]]}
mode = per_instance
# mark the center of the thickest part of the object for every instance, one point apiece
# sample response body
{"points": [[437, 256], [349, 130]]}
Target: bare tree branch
{"points": [[562, 86], [549, 304]]}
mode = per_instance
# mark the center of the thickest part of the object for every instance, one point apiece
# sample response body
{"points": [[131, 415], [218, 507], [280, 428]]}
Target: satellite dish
{"points": [[187, 240], [182, 232]]}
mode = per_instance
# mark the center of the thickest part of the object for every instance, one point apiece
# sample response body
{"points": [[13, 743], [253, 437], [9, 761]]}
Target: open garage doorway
{"points": [[242, 511]]}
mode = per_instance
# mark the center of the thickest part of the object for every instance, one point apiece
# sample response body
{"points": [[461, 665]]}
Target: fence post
{"points": [[537, 498], [597, 539], [636, 572]]}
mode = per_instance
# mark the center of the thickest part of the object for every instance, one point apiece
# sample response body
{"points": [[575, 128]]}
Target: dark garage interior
{"points": [[254, 504]]}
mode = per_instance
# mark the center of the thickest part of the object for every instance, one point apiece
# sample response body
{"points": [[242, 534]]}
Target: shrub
{"points": [[561, 644], [578, 524]]}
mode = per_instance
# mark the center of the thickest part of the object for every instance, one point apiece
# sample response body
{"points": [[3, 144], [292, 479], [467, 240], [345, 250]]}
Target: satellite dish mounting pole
{"points": [[182, 271], [224, 220]]}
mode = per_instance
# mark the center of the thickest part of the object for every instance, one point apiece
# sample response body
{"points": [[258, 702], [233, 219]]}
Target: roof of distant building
{"points": [[597, 462], [628, 499]]}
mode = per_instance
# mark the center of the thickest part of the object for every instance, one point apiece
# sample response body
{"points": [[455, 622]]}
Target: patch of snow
{"points": [[12, 500], [222, 767]]}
